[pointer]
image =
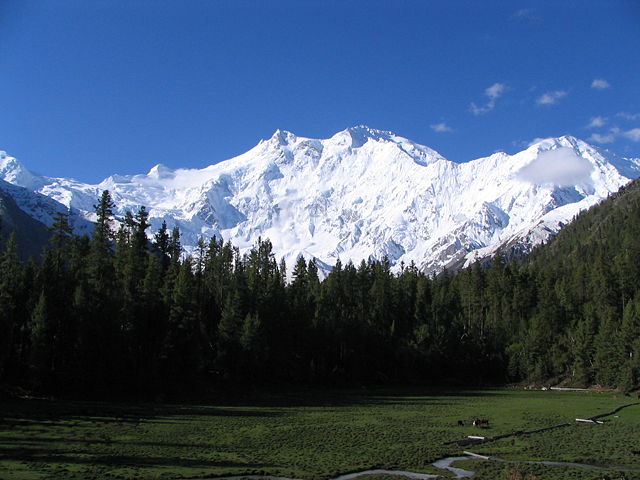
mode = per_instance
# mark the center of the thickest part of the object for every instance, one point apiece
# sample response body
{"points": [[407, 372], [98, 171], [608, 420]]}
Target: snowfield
{"points": [[359, 194]]}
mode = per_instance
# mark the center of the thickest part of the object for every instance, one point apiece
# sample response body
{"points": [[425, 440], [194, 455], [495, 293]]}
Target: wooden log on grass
{"points": [[475, 455], [589, 420]]}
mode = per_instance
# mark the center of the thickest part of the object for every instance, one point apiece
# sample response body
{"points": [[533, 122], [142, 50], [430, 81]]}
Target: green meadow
{"points": [[317, 435]]}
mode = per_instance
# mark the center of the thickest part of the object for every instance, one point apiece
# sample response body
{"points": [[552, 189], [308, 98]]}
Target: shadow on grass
{"points": [[40, 455], [351, 397], [21, 442], [53, 413], [235, 403]]}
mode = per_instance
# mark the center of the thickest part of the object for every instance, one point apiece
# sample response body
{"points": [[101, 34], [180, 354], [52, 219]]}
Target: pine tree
{"points": [[103, 233], [42, 337], [98, 328], [11, 286], [630, 340], [161, 245], [608, 356], [581, 349], [229, 334], [175, 248], [61, 230], [182, 346]]}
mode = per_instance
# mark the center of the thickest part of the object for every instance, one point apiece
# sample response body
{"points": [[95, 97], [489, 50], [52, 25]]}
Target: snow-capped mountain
{"points": [[361, 193], [23, 187]]}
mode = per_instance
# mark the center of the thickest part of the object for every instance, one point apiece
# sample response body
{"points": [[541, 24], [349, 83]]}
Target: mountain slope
{"points": [[31, 235], [362, 193]]}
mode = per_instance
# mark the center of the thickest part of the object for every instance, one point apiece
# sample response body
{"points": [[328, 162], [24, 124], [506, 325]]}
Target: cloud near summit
{"points": [[561, 167]]}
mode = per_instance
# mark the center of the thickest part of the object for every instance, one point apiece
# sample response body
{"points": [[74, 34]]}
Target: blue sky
{"points": [[94, 87]]}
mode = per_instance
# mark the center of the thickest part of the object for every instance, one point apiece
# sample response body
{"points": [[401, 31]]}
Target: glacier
{"points": [[363, 193]]}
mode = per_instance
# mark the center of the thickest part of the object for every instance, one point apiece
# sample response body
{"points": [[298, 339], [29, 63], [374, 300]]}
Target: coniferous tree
{"points": [[182, 345], [161, 245], [98, 330], [41, 336], [11, 295], [630, 340], [229, 347], [152, 324], [608, 356]]}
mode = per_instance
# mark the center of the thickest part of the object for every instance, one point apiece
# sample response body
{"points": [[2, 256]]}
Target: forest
{"points": [[117, 313]]}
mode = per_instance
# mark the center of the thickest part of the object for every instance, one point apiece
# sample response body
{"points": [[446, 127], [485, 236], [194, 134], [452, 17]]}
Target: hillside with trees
{"points": [[118, 313]]}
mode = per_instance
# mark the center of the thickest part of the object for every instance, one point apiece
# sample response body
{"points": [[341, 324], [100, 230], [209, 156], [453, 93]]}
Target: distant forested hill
{"points": [[586, 323]]}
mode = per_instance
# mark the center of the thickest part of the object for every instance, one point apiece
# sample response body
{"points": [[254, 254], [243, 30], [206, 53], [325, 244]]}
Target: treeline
{"points": [[121, 314]]}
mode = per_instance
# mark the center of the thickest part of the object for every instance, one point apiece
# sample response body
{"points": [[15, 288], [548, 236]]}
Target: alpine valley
{"points": [[363, 193]]}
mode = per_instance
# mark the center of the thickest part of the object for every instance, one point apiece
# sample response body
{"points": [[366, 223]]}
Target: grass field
{"points": [[312, 435]]}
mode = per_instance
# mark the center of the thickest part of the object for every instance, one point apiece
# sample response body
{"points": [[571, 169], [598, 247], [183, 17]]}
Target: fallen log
{"points": [[475, 455], [589, 420]]}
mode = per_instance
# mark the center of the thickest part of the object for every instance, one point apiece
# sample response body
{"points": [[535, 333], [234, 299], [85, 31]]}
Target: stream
{"points": [[443, 464]]}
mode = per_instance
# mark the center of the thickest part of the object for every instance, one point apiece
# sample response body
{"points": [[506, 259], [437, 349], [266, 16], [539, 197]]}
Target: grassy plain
{"points": [[312, 435]]}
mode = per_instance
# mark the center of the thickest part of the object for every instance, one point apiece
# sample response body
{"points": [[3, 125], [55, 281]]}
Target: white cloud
{"points": [[535, 140], [476, 110], [494, 92], [633, 134], [551, 98], [628, 116], [615, 133], [597, 122], [561, 167], [441, 127], [525, 14], [602, 137], [600, 84]]}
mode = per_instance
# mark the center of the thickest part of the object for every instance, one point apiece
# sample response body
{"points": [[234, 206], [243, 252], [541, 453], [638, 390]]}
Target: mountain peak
{"points": [[562, 141], [282, 137], [8, 162], [13, 171], [357, 136], [160, 171], [369, 132]]}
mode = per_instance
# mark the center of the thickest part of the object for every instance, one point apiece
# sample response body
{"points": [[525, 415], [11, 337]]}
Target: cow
{"points": [[480, 421]]}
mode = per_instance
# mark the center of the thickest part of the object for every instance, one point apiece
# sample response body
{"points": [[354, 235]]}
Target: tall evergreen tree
{"points": [[11, 298]]}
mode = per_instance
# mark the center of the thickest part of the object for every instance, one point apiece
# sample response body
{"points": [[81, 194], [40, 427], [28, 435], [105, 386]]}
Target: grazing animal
{"points": [[461, 423], [480, 421]]}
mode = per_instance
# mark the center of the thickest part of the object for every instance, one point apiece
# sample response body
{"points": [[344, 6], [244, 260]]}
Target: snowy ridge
{"points": [[361, 193]]}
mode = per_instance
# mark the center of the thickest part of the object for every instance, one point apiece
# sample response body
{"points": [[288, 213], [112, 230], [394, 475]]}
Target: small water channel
{"points": [[443, 464]]}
